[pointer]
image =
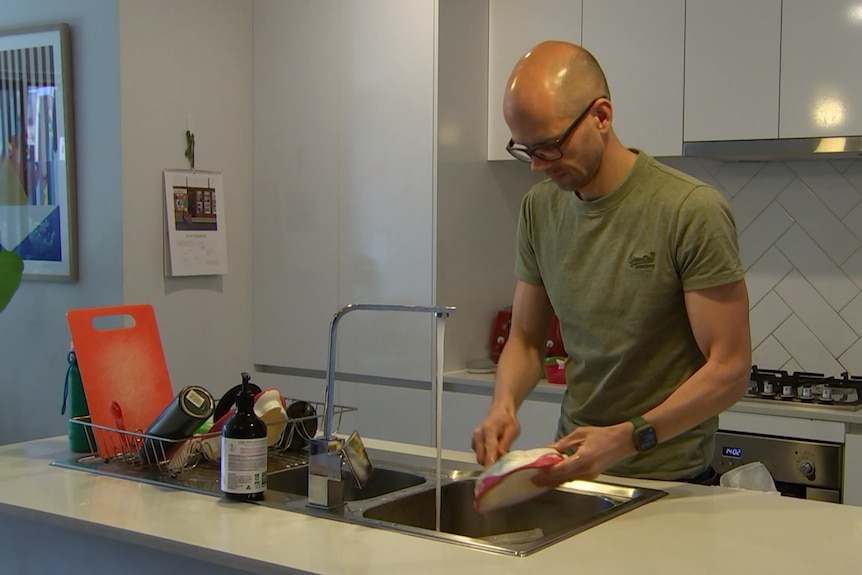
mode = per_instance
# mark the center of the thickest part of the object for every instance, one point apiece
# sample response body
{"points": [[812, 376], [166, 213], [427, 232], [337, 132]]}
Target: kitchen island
{"points": [[55, 520]]}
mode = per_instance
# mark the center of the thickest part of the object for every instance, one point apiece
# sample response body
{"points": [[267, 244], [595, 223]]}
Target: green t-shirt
{"points": [[615, 270]]}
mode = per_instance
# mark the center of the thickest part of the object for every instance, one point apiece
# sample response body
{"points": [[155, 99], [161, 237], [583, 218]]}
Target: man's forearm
{"points": [[708, 392], [518, 372]]}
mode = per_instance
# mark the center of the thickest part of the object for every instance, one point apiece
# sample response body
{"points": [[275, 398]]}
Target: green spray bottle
{"points": [[81, 438]]}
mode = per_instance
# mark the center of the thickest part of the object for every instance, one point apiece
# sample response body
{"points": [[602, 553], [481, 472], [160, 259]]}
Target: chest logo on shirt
{"points": [[642, 262]]}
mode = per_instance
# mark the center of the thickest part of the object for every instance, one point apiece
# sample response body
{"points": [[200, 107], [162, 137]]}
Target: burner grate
{"points": [[805, 388]]}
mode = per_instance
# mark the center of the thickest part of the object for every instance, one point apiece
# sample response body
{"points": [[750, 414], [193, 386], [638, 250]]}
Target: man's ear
{"points": [[605, 113]]}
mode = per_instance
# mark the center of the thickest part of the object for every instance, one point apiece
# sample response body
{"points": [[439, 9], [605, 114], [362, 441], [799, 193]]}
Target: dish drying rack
{"points": [[175, 456]]}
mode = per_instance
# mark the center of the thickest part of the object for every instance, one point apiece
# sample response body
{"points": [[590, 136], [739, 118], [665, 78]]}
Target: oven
{"points": [[800, 468], [804, 469]]}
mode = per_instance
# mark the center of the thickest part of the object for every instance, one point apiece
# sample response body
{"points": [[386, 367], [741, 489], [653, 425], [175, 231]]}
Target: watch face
{"points": [[646, 438]]}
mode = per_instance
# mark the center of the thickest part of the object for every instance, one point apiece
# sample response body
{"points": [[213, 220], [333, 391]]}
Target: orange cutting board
{"points": [[120, 364]]}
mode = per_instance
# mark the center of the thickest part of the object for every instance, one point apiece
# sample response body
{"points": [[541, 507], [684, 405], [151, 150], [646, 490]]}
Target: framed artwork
{"points": [[37, 152]]}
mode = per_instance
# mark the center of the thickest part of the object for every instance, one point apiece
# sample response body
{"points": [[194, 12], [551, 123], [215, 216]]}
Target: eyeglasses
{"points": [[552, 150]]}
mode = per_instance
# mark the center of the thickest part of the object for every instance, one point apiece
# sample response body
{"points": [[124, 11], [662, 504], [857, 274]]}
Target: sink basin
{"points": [[520, 529], [401, 496], [381, 482]]}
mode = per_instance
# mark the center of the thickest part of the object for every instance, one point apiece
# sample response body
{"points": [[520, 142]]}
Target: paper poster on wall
{"points": [[196, 241]]}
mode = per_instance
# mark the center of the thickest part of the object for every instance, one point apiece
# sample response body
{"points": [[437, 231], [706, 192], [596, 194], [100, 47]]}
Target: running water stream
{"points": [[437, 390]]}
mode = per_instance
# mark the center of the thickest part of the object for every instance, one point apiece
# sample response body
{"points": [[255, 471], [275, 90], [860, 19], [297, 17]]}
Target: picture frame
{"points": [[38, 218]]}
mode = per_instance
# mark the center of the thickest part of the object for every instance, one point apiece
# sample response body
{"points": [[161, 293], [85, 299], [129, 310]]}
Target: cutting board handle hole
{"points": [[107, 322]]}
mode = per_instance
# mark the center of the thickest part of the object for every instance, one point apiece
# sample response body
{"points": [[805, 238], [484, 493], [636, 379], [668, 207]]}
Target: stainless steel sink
{"points": [[520, 529], [401, 496], [553, 512], [382, 481]]}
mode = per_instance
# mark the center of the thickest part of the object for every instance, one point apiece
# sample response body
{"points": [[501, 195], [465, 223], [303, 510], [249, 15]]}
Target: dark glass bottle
{"points": [[243, 450]]}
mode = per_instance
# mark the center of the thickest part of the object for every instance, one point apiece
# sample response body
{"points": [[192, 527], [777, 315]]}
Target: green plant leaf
{"points": [[11, 268]]}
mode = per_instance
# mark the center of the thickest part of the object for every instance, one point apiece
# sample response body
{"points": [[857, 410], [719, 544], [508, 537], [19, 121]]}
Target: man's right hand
{"points": [[495, 436]]}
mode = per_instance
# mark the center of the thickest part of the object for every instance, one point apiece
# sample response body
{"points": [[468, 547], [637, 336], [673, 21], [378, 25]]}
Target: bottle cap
{"points": [[245, 396]]}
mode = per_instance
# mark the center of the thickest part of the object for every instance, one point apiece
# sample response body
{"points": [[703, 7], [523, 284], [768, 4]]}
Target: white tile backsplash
{"points": [[852, 314], [853, 268], [733, 176], [765, 274], [759, 192], [805, 348], [800, 238], [770, 354], [852, 358], [833, 189], [763, 232], [841, 165], [853, 174], [822, 225], [853, 221], [821, 272], [815, 313], [766, 316]]}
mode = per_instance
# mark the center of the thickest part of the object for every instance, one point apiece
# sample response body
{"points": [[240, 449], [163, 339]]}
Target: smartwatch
{"points": [[644, 436]]}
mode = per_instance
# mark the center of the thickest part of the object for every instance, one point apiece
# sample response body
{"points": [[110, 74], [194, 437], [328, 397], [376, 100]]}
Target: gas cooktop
{"points": [[805, 388]]}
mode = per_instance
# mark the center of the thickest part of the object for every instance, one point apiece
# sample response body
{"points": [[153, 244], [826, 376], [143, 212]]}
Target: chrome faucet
{"points": [[325, 489]]}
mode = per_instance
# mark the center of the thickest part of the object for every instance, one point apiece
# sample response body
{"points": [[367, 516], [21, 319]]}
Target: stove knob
{"points": [[807, 469], [806, 392], [826, 394]]}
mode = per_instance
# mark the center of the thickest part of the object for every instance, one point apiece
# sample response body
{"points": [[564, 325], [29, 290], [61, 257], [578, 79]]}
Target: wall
{"points": [[34, 337], [181, 60], [130, 125], [800, 236]]}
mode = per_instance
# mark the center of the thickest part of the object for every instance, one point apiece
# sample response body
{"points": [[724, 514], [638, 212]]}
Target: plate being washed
{"points": [[509, 480]]}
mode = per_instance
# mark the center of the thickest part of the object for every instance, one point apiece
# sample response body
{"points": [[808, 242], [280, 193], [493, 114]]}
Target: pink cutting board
{"points": [[122, 364]]}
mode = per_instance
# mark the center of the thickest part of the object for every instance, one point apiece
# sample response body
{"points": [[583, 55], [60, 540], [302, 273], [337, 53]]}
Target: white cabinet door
{"points": [[344, 176], [732, 64], [514, 27], [462, 412], [640, 46], [384, 156], [295, 241], [820, 71]]}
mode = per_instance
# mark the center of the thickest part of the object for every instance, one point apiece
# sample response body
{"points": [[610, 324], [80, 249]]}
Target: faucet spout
{"points": [[325, 488], [438, 311]]}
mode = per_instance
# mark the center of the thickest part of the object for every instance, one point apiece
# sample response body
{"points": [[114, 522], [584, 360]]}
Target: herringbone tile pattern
{"points": [[800, 237]]}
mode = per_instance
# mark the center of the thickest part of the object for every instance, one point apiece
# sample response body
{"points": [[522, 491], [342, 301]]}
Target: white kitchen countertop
{"points": [[704, 530], [484, 382]]}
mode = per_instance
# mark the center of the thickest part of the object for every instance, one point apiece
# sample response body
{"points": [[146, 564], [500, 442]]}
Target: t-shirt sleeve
{"points": [[526, 266], [707, 250]]}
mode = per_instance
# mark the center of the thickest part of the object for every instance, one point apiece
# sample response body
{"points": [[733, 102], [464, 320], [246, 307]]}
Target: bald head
{"points": [[556, 76]]}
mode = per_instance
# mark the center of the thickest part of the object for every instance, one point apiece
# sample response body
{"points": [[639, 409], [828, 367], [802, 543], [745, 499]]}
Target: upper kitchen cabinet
{"points": [[820, 79], [732, 69], [640, 46], [513, 28]]}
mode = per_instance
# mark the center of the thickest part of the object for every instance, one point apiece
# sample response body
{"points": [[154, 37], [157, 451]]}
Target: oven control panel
{"points": [[811, 463]]}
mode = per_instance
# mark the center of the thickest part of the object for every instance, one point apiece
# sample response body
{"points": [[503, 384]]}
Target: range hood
{"points": [[832, 148]]}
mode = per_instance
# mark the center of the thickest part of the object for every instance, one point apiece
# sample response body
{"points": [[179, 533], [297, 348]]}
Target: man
{"points": [[640, 263]]}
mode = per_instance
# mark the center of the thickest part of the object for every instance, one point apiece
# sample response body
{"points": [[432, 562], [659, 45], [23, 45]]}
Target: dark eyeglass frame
{"points": [[550, 150]]}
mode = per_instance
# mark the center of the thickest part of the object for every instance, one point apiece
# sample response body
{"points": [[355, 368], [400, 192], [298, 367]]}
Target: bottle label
{"points": [[243, 465]]}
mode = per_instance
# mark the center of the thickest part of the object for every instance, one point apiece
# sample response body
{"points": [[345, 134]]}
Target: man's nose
{"points": [[537, 164]]}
